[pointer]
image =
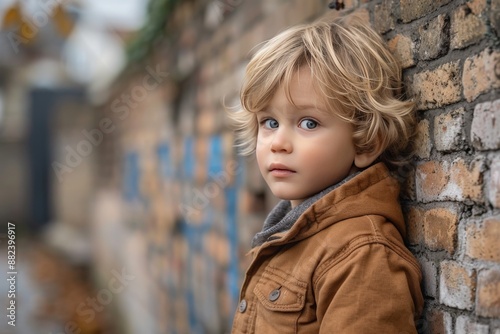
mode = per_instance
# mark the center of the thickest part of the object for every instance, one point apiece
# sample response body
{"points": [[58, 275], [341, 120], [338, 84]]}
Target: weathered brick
{"points": [[457, 285], [438, 87], [384, 16], [411, 9], [482, 240], [402, 48], [494, 183], [488, 293], [467, 26], [485, 130], [415, 225], [423, 143], [481, 73], [458, 180], [464, 325], [449, 133], [429, 281], [440, 228], [434, 38], [495, 16], [438, 322]]}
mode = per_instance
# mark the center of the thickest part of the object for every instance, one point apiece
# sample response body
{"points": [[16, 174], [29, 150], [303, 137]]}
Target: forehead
{"points": [[299, 91]]}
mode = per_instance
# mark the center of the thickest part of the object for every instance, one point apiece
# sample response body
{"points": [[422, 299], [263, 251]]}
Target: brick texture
{"points": [[457, 285], [411, 10], [467, 25], [485, 132], [465, 325], [439, 322], [495, 16], [494, 183], [438, 87], [402, 47], [480, 73], [423, 143], [384, 16], [458, 180], [482, 240], [488, 298], [440, 226], [449, 130], [434, 38]]}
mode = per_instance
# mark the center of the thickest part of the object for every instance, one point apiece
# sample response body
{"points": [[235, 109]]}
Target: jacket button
{"points": [[243, 306], [274, 295]]}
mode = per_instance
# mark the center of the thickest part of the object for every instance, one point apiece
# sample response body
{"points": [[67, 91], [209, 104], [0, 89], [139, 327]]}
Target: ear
{"points": [[365, 159]]}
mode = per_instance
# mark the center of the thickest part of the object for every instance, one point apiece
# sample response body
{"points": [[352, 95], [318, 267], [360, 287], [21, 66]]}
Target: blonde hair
{"points": [[352, 69]]}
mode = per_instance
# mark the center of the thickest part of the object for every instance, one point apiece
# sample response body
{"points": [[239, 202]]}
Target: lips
{"points": [[280, 170]]}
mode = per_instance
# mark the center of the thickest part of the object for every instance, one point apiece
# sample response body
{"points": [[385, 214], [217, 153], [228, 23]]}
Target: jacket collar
{"points": [[371, 192]]}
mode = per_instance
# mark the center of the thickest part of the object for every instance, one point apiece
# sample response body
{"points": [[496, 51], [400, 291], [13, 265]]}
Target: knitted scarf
{"points": [[282, 216]]}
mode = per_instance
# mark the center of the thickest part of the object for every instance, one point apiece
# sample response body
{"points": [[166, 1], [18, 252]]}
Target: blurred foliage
{"points": [[159, 11]]}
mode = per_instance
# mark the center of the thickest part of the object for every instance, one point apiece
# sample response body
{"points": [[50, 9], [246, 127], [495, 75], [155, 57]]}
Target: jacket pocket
{"points": [[281, 299]]}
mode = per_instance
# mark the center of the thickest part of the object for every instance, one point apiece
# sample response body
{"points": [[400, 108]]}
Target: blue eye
{"points": [[271, 123], [308, 124]]}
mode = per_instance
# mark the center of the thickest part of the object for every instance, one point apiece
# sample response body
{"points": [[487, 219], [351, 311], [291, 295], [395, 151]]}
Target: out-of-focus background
{"points": [[131, 211]]}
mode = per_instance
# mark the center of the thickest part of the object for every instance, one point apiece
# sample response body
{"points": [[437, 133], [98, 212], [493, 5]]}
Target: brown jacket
{"points": [[341, 268]]}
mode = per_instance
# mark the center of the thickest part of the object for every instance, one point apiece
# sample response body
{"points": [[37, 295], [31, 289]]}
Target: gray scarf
{"points": [[282, 216]]}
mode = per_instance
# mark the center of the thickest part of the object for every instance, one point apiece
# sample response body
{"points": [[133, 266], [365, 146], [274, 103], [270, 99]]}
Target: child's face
{"points": [[302, 150]]}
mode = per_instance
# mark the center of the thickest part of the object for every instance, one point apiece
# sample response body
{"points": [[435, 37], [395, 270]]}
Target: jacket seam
{"points": [[375, 229], [356, 244]]}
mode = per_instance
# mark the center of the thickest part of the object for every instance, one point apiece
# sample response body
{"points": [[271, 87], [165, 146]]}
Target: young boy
{"points": [[321, 110]]}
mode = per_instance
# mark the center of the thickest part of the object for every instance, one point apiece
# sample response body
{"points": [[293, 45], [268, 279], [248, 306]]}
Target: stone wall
{"points": [[191, 206]]}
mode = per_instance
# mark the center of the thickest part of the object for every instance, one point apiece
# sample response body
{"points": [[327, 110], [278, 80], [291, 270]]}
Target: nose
{"points": [[281, 141]]}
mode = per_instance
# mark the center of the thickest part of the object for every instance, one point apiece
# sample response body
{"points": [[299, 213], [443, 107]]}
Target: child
{"points": [[322, 111]]}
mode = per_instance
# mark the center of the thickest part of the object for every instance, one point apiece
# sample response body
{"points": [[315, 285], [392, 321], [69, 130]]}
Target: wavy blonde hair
{"points": [[353, 70]]}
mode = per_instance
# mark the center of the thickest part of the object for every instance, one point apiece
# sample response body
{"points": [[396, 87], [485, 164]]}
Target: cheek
{"points": [[260, 155]]}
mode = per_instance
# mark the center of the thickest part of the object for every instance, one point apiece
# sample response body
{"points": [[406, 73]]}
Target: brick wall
{"points": [[192, 205]]}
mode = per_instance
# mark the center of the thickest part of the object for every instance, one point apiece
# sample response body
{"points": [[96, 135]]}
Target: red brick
{"points": [[422, 142], [438, 87], [458, 180], [449, 130], [467, 26], [485, 131], [494, 183], [488, 293], [434, 38], [411, 9], [480, 74], [457, 285], [482, 240], [440, 226], [402, 48]]}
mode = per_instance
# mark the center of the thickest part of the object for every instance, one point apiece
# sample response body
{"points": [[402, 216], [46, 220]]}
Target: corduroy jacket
{"points": [[342, 267]]}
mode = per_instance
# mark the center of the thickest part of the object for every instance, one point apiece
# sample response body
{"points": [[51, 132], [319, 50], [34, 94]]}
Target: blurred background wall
{"points": [[117, 162]]}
